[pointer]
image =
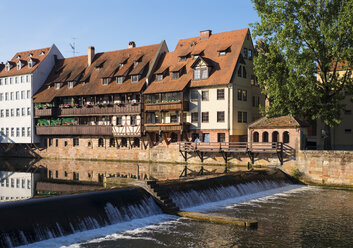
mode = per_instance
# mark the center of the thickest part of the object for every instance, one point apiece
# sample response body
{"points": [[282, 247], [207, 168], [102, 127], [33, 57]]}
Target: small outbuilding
{"points": [[287, 129]]}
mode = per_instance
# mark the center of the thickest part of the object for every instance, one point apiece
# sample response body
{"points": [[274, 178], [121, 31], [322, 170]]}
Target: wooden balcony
{"points": [[167, 106], [43, 112], [74, 130], [96, 110], [166, 127]]}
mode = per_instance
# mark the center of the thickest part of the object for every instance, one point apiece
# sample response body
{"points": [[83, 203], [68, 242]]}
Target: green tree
{"points": [[304, 45]]}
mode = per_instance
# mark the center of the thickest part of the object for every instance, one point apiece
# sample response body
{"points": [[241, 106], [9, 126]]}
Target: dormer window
{"points": [[136, 63], [121, 65], [30, 63], [70, 84], [30, 55], [105, 81], [42, 53], [19, 65], [135, 78], [7, 66], [195, 56], [175, 75], [57, 85], [201, 73], [182, 58], [159, 77], [119, 80], [222, 53]]}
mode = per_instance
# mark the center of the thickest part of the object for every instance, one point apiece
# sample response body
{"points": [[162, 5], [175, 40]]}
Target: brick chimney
{"points": [[90, 55], [132, 44], [205, 34]]}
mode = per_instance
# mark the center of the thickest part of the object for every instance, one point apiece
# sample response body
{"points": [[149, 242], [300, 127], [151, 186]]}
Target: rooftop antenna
{"points": [[73, 47]]}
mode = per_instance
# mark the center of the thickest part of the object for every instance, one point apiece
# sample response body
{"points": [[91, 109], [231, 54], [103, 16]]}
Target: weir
{"points": [[40, 219]]}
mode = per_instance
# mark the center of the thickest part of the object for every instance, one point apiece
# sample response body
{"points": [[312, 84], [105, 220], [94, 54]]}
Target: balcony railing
{"points": [[74, 130], [167, 106], [156, 127], [93, 110], [43, 112]]}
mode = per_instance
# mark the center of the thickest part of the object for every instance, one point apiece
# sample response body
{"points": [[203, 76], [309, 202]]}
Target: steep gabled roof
{"points": [[222, 66], [24, 57], [104, 65], [276, 122]]}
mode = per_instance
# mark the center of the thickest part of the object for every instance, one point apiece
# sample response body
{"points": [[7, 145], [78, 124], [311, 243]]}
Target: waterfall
{"points": [[40, 219], [192, 198]]}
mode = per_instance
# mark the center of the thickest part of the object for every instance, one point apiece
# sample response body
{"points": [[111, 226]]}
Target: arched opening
{"points": [[100, 142], [256, 137], [286, 137], [111, 142], [275, 136], [265, 137], [174, 138], [136, 142], [123, 142]]}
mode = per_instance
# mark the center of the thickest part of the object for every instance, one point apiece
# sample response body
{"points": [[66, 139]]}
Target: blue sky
{"points": [[110, 24]]}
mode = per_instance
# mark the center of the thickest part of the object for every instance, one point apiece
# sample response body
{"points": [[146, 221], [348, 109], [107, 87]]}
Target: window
{"points": [[250, 54], [65, 143], [222, 53], [11, 96], [21, 79], [22, 94], [23, 111], [30, 64], [245, 95], [118, 120], [12, 112], [245, 117], [239, 71], [1, 113], [12, 183], [194, 117], [16, 81], [265, 137], [195, 56], [135, 78], [220, 116], [194, 95], [28, 111], [221, 137], [159, 77], [173, 118], [17, 95], [71, 85], [17, 132], [1, 94], [175, 75], [220, 94], [204, 73], [133, 120], [7, 132], [10, 80], [240, 117], [28, 131], [182, 58], [50, 142], [56, 142], [111, 142], [57, 85], [56, 174], [6, 96], [119, 80], [204, 116], [28, 94], [244, 72], [240, 95], [286, 137], [204, 95], [105, 81], [12, 132], [347, 131], [256, 137], [100, 142], [245, 53], [75, 141], [17, 112], [206, 137], [197, 74], [27, 78], [275, 136], [23, 132], [7, 113]]}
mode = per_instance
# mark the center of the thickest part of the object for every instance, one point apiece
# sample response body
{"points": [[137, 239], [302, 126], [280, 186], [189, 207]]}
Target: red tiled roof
{"points": [[104, 65], [276, 122], [222, 66], [24, 57]]}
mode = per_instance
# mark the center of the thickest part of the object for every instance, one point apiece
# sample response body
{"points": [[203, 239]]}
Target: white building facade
{"points": [[20, 78]]}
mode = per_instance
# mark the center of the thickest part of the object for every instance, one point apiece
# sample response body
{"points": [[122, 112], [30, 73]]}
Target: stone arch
{"points": [[275, 136], [100, 142], [285, 137]]}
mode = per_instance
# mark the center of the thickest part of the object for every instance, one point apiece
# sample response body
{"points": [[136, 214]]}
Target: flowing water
{"points": [[288, 215]]}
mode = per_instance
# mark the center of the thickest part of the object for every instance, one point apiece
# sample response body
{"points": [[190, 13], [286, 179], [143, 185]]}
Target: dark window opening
{"points": [[221, 137], [256, 137]]}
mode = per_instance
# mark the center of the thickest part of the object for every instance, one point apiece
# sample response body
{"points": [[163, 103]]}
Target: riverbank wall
{"points": [[317, 167]]}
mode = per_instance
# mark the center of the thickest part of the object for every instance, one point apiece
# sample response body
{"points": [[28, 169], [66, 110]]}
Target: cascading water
{"points": [[32, 221], [192, 198]]}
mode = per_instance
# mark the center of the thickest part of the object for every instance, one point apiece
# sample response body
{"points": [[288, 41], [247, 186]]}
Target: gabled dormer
{"points": [[197, 53], [161, 73], [8, 65], [184, 56], [202, 68], [31, 63], [222, 51], [19, 64], [177, 71]]}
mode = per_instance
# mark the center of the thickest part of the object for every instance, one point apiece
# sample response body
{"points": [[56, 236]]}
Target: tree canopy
{"points": [[305, 57]]}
